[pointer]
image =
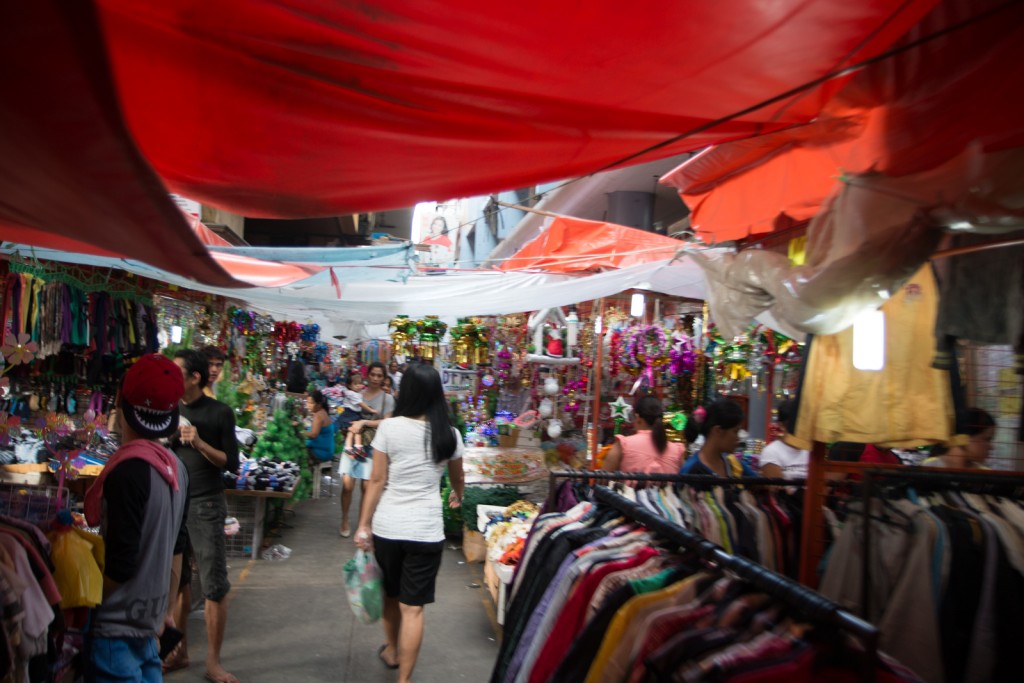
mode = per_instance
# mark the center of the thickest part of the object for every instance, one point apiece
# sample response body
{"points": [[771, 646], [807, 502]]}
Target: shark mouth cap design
{"points": [[153, 421]]}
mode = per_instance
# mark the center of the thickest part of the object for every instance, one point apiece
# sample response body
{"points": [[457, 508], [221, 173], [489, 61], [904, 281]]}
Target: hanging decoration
{"points": [[675, 426], [503, 366], [682, 357], [573, 405], [429, 333], [471, 342], [750, 355], [643, 349], [64, 442], [17, 350], [403, 334], [620, 412]]}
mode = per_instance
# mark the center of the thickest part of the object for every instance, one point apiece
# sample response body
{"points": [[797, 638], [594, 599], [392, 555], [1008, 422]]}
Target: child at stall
{"points": [[351, 402], [352, 408]]}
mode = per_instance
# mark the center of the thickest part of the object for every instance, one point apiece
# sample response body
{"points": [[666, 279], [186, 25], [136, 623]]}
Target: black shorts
{"points": [[186, 564], [409, 569]]}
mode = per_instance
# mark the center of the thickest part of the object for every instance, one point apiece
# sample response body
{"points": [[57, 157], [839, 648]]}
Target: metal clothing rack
{"points": [[692, 479], [810, 604], [924, 480]]}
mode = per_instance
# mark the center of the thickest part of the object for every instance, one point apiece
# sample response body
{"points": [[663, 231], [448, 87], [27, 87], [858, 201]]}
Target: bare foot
{"points": [[220, 675]]}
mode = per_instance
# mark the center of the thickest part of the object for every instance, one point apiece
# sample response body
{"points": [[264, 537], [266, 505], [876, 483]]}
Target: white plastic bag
{"points": [[364, 586]]}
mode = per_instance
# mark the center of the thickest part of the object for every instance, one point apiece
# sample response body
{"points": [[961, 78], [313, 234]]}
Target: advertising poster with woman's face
{"points": [[437, 226]]}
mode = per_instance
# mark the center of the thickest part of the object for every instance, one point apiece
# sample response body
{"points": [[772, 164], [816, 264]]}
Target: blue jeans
{"points": [[124, 660]]}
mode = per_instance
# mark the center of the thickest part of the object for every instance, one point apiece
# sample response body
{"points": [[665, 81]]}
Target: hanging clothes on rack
{"points": [[606, 595], [33, 625], [754, 517], [939, 569]]}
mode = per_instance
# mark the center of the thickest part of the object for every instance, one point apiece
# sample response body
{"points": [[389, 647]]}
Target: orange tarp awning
{"points": [[901, 116], [574, 245]]}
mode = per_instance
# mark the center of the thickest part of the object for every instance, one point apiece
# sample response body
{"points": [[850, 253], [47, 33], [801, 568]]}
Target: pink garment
{"points": [[35, 601], [161, 459], [640, 455]]}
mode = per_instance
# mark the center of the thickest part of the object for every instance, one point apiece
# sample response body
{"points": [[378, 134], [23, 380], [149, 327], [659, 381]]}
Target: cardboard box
{"points": [[491, 579], [473, 546], [507, 441]]}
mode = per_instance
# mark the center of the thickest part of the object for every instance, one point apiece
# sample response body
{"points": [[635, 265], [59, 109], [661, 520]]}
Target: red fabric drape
{"points": [[70, 175], [300, 108], [902, 116]]}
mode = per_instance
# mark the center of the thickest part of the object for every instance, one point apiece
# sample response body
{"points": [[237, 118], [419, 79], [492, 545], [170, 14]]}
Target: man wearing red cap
{"points": [[139, 502]]}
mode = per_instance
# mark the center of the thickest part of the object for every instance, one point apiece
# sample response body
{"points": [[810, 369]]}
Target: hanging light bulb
{"points": [[175, 334], [598, 325], [869, 341], [637, 305], [572, 326]]}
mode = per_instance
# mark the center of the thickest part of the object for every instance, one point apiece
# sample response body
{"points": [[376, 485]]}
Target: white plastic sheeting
{"points": [[448, 295]]}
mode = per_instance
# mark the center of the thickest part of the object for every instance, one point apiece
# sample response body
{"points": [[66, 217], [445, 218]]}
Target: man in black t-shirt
{"points": [[207, 445]]}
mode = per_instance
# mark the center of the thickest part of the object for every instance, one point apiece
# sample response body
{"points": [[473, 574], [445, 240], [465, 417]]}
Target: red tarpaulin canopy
{"points": [[572, 245], [908, 114], [298, 108]]}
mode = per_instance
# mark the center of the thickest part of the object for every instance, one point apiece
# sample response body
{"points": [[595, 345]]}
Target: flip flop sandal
{"points": [[175, 666]]}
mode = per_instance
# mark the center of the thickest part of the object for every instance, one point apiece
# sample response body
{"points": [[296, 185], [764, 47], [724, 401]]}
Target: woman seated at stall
{"points": [[719, 424], [320, 437], [780, 459], [981, 428], [649, 450]]}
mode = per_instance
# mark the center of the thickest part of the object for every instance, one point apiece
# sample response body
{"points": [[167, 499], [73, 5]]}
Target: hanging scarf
{"points": [[12, 294], [161, 459]]}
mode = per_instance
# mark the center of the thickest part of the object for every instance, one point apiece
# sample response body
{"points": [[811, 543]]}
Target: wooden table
{"points": [[261, 512]]}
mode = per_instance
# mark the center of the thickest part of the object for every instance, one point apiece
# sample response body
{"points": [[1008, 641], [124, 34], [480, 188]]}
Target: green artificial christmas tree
{"points": [[282, 440], [231, 394]]}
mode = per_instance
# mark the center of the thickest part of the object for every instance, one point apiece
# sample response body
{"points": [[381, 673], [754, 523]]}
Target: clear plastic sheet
{"points": [[867, 241]]}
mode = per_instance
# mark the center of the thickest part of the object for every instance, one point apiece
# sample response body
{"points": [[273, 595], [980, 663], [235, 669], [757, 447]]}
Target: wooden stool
{"points": [[319, 469]]}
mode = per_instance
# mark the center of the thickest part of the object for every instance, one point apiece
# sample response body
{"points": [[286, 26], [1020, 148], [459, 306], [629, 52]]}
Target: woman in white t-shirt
{"points": [[779, 459], [401, 518]]}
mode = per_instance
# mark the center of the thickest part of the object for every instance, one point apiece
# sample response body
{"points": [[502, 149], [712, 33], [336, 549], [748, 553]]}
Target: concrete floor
{"points": [[290, 621]]}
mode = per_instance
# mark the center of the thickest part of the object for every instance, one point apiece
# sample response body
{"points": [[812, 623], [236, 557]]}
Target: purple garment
{"points": [[535, 618]]}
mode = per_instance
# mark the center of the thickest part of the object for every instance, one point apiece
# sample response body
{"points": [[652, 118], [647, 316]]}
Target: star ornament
{"points": [[620, 409]]}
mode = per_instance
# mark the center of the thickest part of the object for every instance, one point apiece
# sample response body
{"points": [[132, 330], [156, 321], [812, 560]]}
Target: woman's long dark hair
{"points": [[649, 408], [421, 394], [719, 413]]}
